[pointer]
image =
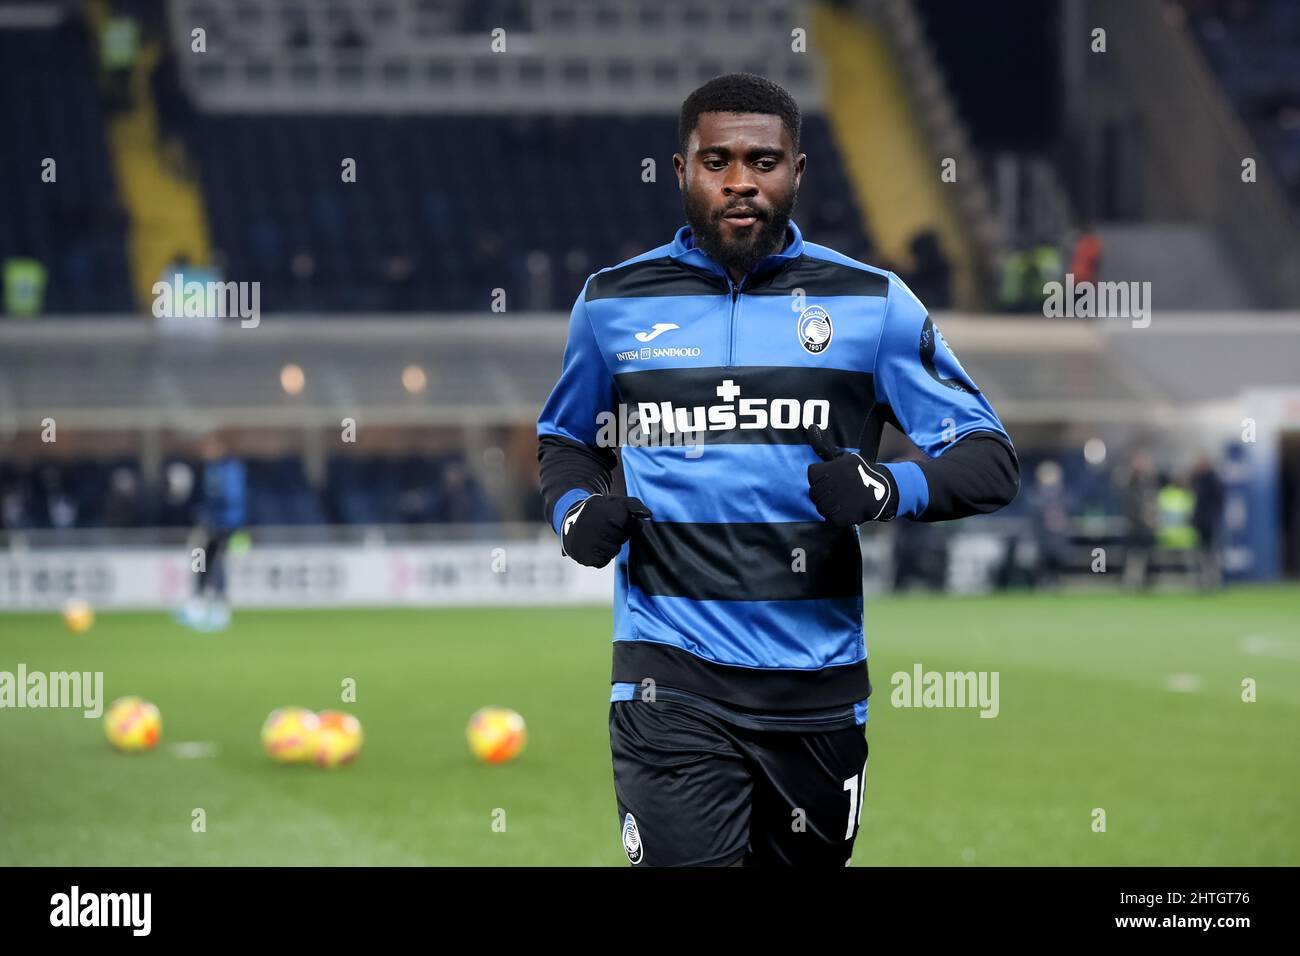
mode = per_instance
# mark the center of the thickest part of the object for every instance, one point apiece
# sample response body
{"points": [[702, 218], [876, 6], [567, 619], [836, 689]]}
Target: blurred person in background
{"points": [[1141, 515], [177, 489], [223, 509], [1024, 274], [1207, 519], [1051, 524], [60, 505], [24, 286], [1174, 504], [1086, 258], [119, 48], [1015, 283], [463, 499], [14, 511], [122, 506]]}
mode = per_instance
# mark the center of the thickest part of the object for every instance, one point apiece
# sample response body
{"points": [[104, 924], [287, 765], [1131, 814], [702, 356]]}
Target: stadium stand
{"points": [[74, 226], [1253, 49], [366, 490], [447, 209]]}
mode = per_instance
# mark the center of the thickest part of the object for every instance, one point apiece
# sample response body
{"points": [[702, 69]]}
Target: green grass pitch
{"points": [[1087, 720]]}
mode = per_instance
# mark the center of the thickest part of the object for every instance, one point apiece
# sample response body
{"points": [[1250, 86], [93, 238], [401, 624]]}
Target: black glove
{"points": [[848, 489], [596, 527]]}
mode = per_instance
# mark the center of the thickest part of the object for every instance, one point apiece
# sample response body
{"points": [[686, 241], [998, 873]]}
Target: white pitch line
{"points": [[194, 749], [1265, 646]]}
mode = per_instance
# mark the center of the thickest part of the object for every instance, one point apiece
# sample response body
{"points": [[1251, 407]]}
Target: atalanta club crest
{"points": [[631, 839], [815, 329]]}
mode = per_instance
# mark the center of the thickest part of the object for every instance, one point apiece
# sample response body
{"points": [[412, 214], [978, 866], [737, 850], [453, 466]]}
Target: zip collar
{"points": [[684, 250]]}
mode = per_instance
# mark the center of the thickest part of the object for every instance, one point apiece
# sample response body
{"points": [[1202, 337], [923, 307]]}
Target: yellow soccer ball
{"points": [[289, 734], [338, 739], [78, 616], [132, 724], [496, 734]]}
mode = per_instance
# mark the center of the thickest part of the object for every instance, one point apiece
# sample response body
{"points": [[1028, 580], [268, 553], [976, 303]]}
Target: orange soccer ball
{"points": [[132, 724], [496, 734], [289, 734], [338, 739]]}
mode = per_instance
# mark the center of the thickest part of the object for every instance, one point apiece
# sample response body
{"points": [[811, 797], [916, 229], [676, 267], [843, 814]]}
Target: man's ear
{"points": [[800, 163], [679, 167]]}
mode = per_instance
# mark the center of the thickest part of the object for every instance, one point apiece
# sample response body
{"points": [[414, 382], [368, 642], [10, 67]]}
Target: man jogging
{"points": [[760, 369], [223, 507]]}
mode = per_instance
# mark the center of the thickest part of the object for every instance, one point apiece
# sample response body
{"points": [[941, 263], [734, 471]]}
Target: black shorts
{"points": [[695, 789]]}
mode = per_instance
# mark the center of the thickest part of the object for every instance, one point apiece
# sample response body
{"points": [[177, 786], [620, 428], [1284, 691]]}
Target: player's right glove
{"points": [[847, 489], [595, 529]]}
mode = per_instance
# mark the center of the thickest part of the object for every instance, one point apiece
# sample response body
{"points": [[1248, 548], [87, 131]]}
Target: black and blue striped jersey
{"points": [[737, 590]]}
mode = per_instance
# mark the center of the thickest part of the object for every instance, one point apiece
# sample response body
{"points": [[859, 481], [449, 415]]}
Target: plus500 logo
{"points": [[737, 413]]}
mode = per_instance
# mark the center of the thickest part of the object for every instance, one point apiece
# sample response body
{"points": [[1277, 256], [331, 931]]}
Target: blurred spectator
{"points": [[119, 46], [1207, 519], [1175, 503], [1086, 258], [226, 493], [122, 506], [1014, 281], [463, 499], [1141, 514], [24, 287], [417, 494], [14, 508], [1051, 524], [178, 488], [1025, 273], [60, 506], [1047, 267]]}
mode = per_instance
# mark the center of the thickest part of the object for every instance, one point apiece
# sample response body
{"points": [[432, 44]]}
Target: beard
{"points": [[742, 253]]}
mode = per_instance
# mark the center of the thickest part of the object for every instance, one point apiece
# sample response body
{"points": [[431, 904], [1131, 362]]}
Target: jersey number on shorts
{"points": [[856, 785]]}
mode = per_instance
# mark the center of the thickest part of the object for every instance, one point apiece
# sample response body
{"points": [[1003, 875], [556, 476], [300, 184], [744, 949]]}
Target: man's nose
{"points": [[738, 182]]}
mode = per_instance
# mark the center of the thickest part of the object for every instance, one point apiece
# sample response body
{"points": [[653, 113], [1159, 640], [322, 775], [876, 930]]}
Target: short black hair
{"points": [[740, 93]]}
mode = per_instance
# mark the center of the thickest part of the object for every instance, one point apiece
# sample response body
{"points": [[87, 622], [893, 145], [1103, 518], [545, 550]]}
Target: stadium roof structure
{"points": [[495, 370], [565, 55]]}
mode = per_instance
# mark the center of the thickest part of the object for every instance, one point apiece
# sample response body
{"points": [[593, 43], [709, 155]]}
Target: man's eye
{"points": [[714, 164], [766, 165]]}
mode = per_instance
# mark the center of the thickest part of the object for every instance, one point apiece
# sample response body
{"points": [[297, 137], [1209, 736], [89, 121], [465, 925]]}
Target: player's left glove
{"points": [[596, 527], [847, 489]]}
